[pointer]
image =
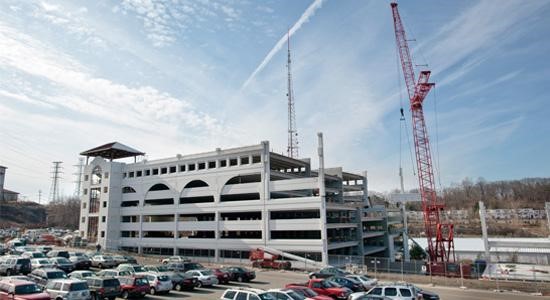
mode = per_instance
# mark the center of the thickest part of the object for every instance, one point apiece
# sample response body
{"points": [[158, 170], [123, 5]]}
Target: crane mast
{"points": [[440, 236]]}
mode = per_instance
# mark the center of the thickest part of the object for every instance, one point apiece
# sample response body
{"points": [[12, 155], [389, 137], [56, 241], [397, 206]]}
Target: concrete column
{"points": [[2, 176], [322, 196], [484, 230], [265, 192]]}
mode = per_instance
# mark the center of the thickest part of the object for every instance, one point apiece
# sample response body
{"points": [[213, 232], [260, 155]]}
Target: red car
{"points": [[324, 287], [223, 275], [133, 287], [21, 290], [309, 293]]}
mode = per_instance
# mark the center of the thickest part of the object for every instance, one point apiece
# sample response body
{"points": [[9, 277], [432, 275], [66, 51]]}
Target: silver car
{"points": [[103, 261], [72, 289], [38, 263]]}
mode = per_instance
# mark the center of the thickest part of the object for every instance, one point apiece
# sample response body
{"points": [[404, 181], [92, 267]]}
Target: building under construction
{"points": [[221, 204]]}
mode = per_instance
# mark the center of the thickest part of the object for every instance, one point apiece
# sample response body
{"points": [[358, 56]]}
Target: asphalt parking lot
{"points": [[277, 279]]}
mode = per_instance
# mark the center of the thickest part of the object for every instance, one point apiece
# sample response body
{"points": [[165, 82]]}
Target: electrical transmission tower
{"points": [[78, 174], [292, 149], [56, 177]]}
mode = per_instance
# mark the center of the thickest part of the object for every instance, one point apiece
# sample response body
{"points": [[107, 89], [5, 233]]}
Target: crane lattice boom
{"points": [[443, 249]]}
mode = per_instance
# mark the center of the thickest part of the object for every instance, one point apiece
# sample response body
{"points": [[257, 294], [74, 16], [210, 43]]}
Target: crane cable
{"points": [[402, 118], [438, 164]]}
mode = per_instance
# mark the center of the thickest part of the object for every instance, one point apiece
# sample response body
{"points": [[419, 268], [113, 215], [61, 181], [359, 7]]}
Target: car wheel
{"points": [[100, 266], [8, 272], [125, 295], [199, 284], [240, 279], [112, 298], [153, 291], [177, 287]]}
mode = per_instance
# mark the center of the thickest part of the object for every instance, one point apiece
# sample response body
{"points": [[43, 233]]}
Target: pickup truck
{"points": [[324, 287]]}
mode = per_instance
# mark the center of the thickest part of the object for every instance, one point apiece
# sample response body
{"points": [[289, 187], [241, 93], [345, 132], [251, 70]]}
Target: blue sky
{"points": [[170, 77]]}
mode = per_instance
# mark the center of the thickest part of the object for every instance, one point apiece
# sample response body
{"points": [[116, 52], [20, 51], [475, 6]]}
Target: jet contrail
{"points": [[310, 11]]}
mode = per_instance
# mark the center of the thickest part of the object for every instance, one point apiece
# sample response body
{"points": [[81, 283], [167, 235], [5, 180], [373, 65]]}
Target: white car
{"points": [[246, 293], [175, 259], [286, 294], [366, 281], [204, 277], [68, 289], [394, 291], [43, 263], [160, 284]]}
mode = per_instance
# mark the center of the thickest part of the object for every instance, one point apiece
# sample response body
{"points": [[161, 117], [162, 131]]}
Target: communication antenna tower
{"points": [[292, 149]]}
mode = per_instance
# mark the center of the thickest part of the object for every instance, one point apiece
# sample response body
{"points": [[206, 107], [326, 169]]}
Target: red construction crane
{"points": [[440, 236]]}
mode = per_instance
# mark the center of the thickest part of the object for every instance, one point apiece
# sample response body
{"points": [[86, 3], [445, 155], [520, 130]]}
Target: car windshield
{"points": [[329, 284], [86, 274], [62, 260], [56, 275], [139, 269], [266, 296], [365, 278], [107, 258], [309, 292], [164, 278], [78, 286], [38, 255], [207, 272], [111, 282], [162, 269], [42, 261], [141, 281], [124, 273], [21, 261], [26, 289], [295, 296]]}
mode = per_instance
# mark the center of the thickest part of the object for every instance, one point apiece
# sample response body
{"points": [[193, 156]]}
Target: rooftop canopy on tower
{"points": [[112, 151]]}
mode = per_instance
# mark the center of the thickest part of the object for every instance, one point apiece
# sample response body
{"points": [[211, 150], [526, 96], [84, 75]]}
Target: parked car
{"points": [[43, 276], [182, 281], [423, 294], [352, 284], [328, 272], [13, 265], [172, 259], [103, 261], [21, 290], [286, 294], [130, 259], [82, 275], [324, 287], [113, 273], [72, 289], [366, 281], [101, 288], [33, 254], [309, 293], [394, 291], [62, 263], [159, 284], [365, 296], [38, 263], [222, 274], [240, 274], [133, 287], [157, 269], [18, 277], [58, 253], [246, 293], [119, 259], [44, 249], [80, 260], [183, 266], [131, 268], [204, 277]]}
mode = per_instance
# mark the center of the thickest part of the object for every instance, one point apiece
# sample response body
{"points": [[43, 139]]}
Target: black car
{"points": [[58, 253], [426, 295], [240, 274], [351, 284], [101, 288], [328, 272], [80, 260], [15, 265], [42, 276], [183, 266], [182, 281]]}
